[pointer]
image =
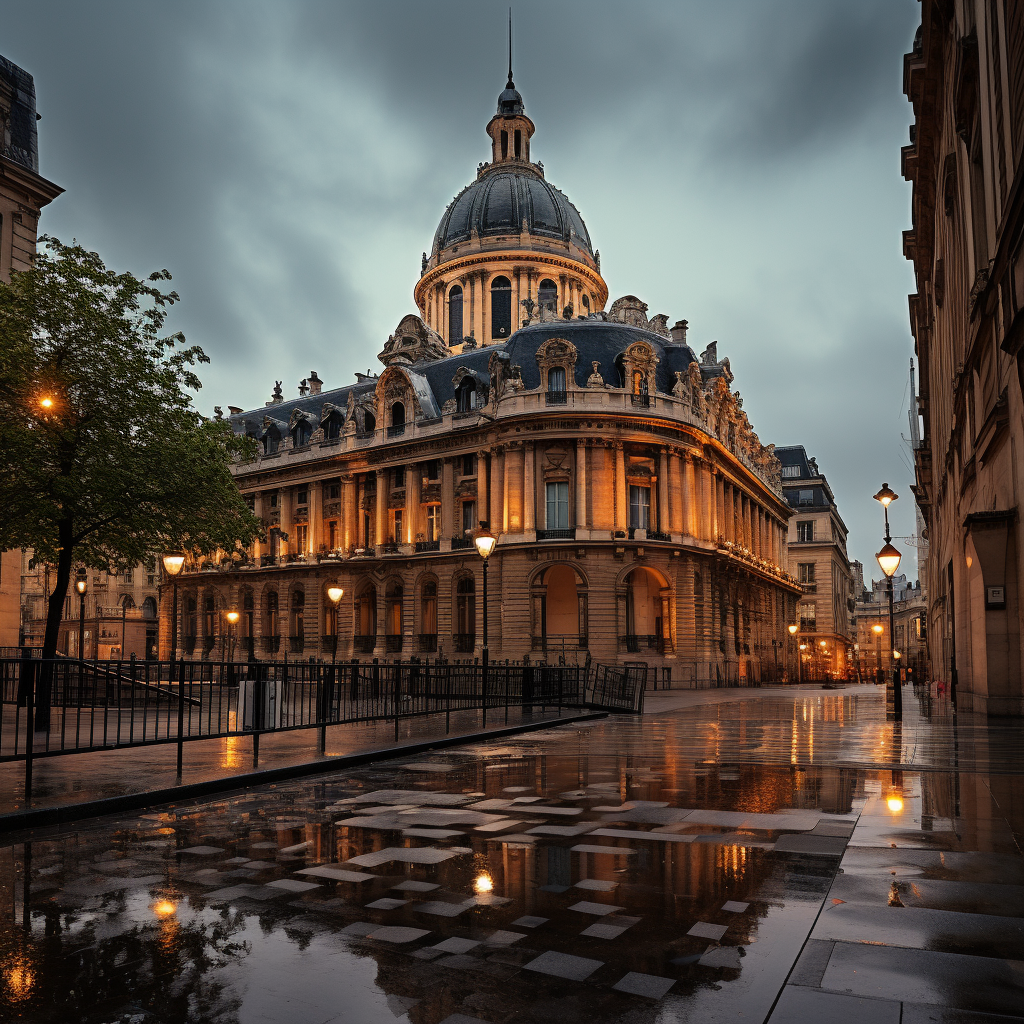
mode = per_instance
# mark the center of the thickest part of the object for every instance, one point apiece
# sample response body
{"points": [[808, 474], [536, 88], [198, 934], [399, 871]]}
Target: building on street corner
{"points": [[638, 516], [873, 650], [817, 558], [964, 78]]}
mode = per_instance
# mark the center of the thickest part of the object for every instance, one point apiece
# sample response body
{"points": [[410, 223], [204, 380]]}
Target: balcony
{"points": [[658, 535], [397, 430], [642, 401], [634, 643], [364, 644], [426, 643], [569, 534], [464, 643], [271, 644], [296, 644], [427, 545], [390, 548], [556, 397], [459, 543], [393, 642], [809, 588], [560, 642]]}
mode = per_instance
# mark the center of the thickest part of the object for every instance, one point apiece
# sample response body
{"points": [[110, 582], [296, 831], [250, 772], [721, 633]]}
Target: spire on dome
{"points": [[510, 102]]}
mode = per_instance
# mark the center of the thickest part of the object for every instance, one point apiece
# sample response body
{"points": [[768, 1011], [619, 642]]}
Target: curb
{"points": [[18, 821]]}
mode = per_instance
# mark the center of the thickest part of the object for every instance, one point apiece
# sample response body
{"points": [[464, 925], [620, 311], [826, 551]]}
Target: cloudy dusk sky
{"points": [[737, 165]]}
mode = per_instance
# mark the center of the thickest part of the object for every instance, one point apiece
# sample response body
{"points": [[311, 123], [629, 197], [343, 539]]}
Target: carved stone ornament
{"points": [[413, 342], [640, 358], [396, 500], [465, 489], [332, 508], [556, 458], [556, 352], [515, 380], [630, 310], [659, 325], [681, 388], [595, 380], [430, 494], [449, 407]]}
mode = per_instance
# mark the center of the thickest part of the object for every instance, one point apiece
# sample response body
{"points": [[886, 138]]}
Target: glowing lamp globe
{"points": [[484, 541], [233, 616], [888, 560], [173, 561], [792, 629], [335, 594], [886, 495]]}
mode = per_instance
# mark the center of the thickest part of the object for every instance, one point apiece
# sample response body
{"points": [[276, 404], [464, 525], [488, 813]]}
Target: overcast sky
{"points": [[737, 164]]}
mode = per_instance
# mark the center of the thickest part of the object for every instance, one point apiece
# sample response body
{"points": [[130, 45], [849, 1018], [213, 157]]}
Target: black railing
{"points": [[658, 535], [634, 643], [565, 534], [428, 545], [393, 642], [555, 643], [458, 543], [556, 397], [427, 642], [364, 644], [464, 643]]}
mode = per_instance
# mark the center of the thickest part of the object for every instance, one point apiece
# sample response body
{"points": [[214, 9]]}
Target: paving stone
{"points": [[814, 846], [203, 851], [461, 962], [233, 860], [411, 885], [563, 830], [611, 851], [265, 892], [654, 836], [597, 909], [553, 888], [811, 964], [562, 965], [291, 885], [733, 907], [231, 892], [336, 874], [398, 934], [455, 945], [703, 930], [489, 899], [386, 904], [604, 931], [800, 1005], [260, 865], [649, 985], [498, 826], [441, 909], [530, 922], [596, 884], [424, 855], [427, 953], [722, 956], [359, 928], [503, 938], [431, 833]]}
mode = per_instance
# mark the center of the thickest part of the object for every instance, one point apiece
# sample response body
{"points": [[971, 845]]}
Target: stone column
{"points": [[621, 506], [484, 337], [412, 502], [471, 280], [447, 503], [284, 504], [348, 513], [483, 494], [529, 489], [497, 509], [679, 495], [664, 511], [316, 516], [581, 484], [693, 501], [381, 521]]}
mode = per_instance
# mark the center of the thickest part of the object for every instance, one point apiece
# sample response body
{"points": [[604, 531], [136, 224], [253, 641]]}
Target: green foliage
{"points": [[120, 465]]}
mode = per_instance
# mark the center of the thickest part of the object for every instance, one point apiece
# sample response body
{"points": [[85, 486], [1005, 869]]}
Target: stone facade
{"points": [[910, 618], [817, 558], [964, 159], [638, 516]]}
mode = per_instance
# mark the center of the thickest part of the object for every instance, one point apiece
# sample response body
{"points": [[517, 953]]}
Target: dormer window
{"points": [[397, 420], [556, 394], [271, 441], [302, 433], [465, 397], [333, 426]]}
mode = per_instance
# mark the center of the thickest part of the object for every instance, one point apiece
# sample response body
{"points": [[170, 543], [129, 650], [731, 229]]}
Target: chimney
{"points": [[678, 332], [315, 383], [234, 410]]}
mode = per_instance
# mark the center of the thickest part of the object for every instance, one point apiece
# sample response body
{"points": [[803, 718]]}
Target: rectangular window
{"points": [[301, 538], [432, 469], [433, 522], [556, 378], [805, 572], [469, 465], [302, 498], [332, 535], [468, 516], [273, 501], [334, 491], [639, 507], [808, 618], [396, 526], [368, 531], [398, 476], [805, 497], [788, 472], [558, 505], [805, 531]]}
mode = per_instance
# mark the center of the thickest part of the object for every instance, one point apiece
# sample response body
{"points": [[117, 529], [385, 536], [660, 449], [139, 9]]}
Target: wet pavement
{"points": [[788, 857]]}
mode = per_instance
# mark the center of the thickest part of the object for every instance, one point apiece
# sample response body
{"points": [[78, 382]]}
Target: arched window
{"points": [[455, 316], [644, 621], [246, 623], [273, 621], [149, 608], [428, 616], [366, 611], [519, 144], [465, 614], [393, 610], [301, 433], [585, 299], [465, 397], [547, 295], [190, 623], [298, 614], [501, 307], [369, 422], [271, 441], [333, 426], [209, 617], [504, 145], [398, 414]]}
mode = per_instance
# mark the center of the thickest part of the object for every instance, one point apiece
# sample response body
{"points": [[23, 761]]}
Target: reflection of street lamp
{"points": [[81, 585], [335, 593], [173, 562]]}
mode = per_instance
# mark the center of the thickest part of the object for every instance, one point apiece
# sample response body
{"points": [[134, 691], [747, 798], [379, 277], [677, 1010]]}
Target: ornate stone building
{"points": [[637, 515], [965, 78]]}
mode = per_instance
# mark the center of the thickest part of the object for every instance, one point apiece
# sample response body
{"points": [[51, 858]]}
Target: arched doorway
{"points": [[393, 615], [271, 623], [647, 600], [464, 638], [559, 609], [428, 616]]}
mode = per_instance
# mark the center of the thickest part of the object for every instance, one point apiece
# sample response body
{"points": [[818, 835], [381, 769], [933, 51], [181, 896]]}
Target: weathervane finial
{"points": [[510, 48]]}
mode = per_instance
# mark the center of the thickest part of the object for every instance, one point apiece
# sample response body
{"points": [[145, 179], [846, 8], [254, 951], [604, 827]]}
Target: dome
{"points": [[500, 201]]}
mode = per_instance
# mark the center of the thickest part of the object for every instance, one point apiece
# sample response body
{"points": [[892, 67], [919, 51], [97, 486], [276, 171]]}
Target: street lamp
{"points": [[173, 562], [232, 616], [484, 541], [889, 561], [793, 628], [81, 585], [335, 593]]}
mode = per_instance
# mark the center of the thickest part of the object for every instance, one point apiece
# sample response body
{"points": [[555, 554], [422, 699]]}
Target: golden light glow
{"points": [[335, 594], [484, 541], [165, 908], [46, 402], [792, 629], [483, 882], [888, 560], [896, 654], [173, 561], [876, 629], [20, 978], [80, 586], [822, 642], [895, 804], [886, 495], [233, 617]]}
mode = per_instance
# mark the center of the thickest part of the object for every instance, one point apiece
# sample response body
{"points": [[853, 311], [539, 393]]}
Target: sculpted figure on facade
{"points": [[595, 380]]}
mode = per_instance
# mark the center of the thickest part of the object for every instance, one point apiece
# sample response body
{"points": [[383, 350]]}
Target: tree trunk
{"points": [[54, 615]]}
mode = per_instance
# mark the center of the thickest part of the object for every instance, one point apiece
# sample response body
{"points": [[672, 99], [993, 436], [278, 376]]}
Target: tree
{"points": [[103, 458]]}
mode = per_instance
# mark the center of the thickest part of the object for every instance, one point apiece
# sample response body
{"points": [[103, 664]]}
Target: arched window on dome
{"points": [[547, 295], [501, 307], [455, 316], [585, 299]]}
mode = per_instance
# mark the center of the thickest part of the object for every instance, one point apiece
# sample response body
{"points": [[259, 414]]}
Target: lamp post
{"points": [[232, 616], [792, 628], [173, 562], [889, 561], [81, 585], [484, 541], [878, 629], [335, 594]]}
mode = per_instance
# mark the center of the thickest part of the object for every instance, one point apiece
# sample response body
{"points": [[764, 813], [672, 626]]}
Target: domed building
{"points": [[637, 516]]}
